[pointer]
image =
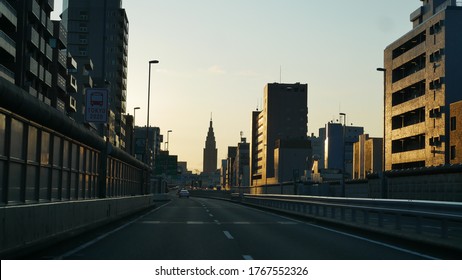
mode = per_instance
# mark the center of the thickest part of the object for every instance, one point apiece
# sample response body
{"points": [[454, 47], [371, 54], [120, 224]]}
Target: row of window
{"points": [[417, 40], [39, 165], [418, 116]]}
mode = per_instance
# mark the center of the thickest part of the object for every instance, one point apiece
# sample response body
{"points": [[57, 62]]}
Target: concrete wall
{"points": [[26, 226], [441, 187]]}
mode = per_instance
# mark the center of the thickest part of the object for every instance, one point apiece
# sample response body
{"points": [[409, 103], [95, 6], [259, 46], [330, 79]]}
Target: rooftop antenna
{"points": [[280, 74]]}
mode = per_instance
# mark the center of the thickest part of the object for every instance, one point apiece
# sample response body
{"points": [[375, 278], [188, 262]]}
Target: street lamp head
{"points": [[381, 69], [170, 131], [136, 108], [153, 61]]}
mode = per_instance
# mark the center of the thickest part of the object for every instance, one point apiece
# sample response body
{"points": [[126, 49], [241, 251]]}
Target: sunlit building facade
{"points": [[422, 78]]}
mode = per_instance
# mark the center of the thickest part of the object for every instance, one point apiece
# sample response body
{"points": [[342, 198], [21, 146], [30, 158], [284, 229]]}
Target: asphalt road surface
{"points": [[207, 229]]}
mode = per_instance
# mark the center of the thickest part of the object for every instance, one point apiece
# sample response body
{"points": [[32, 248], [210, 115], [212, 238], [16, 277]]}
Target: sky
{"points": [[215, 57]]}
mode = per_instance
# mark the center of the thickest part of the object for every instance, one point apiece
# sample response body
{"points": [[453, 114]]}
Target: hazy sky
{"points": [[216, 57]]}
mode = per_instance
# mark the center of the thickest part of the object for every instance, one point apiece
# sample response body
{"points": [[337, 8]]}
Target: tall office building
{"points": [[153, 146], [367, 156], [284, 117], [422, 79], [98, 40], [210, 151], [8, 27], [33, 52], [338, 147], [255, 170], [241, 164], [230, 171]]}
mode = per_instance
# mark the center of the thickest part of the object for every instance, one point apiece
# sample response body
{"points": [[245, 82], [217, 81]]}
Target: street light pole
{"points": [[344, 157], [134, 114], [168, 142], [133, 132], [147, 121], [384, 189]]}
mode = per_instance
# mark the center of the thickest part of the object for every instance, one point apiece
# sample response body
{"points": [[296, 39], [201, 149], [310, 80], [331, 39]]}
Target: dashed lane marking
{"points": [[228, 235], [194, 223]]}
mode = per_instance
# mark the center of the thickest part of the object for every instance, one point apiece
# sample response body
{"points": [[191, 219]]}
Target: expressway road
{"points": [[208, 229]]}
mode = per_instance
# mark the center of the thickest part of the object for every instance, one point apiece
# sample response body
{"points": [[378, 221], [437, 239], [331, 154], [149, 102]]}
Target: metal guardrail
{"points": [[427, 222], [438, 223]]}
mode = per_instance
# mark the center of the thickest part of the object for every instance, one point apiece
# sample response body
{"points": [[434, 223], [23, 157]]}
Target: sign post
{"points": [[96, 105]]}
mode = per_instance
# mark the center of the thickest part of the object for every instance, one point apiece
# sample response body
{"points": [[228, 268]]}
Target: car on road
{"points": [[183, 193]]}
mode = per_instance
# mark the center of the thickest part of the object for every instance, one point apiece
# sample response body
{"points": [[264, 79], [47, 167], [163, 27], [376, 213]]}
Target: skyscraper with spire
{"points": [[210, 151]]}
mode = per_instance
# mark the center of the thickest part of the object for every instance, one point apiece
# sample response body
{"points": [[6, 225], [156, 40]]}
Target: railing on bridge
{"points": [[431, 222]]}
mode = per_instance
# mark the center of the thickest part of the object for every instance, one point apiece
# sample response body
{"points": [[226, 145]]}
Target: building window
{"points": [[84, 15], [453, 123], [453, 152]]}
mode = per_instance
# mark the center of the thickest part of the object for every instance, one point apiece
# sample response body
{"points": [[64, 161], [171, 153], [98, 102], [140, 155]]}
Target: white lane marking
{"points": [[194, 223], [217, 222], [211, 215], [287, 223], [228, 235], [151, 222], [101, 237], [247, 257], [357, 237], [241, 223]]}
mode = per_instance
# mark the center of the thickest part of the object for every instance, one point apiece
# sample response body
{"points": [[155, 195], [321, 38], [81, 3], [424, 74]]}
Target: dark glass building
{"points": [[98, 40]]}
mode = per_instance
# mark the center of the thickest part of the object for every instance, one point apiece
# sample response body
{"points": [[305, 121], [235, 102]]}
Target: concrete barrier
{"points": [[24, 227]]}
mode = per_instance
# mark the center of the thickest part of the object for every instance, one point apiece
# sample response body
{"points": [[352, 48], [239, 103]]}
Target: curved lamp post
{"points": [[147, 121]]}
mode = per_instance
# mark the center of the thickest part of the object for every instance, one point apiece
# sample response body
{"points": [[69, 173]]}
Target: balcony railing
{"points": [[51, 3], [8, 44], [35, 9], [62, 59], [409, 68], [32, 66], [49, 25], [48, 78], [34, 37], [49, 52], [8, 11], [62, 34], [6, 73], [61, 83]]}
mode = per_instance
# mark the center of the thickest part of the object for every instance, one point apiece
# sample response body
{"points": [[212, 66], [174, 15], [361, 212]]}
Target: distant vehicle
{"points": [[183, 193]]}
